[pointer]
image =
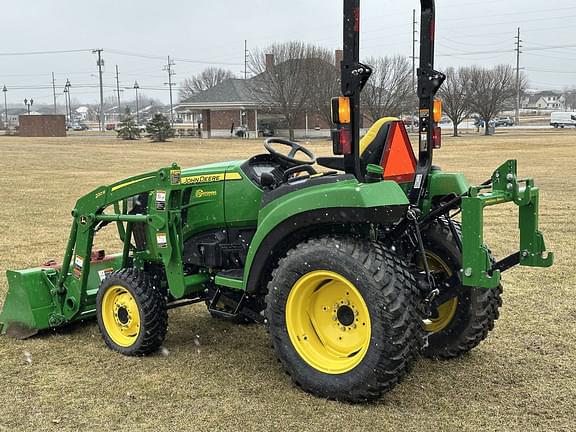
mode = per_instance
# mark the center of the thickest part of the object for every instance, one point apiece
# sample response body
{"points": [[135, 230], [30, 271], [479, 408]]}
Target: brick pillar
{"points": [[339, 55], [269, 61], [206, 123]]}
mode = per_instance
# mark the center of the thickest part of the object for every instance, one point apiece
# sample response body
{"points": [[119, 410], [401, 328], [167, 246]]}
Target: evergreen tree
{"points": [[127, 128], [159, 128]]}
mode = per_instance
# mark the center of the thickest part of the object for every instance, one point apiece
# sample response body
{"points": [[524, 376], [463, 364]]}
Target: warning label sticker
{"points": [[160, 200], [78, 264], [161, 240], [103, 274]]}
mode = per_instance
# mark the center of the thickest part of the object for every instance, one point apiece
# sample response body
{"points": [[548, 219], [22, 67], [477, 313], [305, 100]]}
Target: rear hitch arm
{"points": [[477, 268]]}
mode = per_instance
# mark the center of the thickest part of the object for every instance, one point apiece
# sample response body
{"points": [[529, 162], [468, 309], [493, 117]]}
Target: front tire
{"points": [[342, 316], [131, 313], [462, 322]]}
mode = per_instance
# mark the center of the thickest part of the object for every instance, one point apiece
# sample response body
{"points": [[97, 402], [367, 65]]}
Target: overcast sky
{"points": [[199, 33]]}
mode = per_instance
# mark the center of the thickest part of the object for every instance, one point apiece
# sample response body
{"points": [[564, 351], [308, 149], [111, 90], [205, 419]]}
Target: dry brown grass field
{"points": [[522, 378]]}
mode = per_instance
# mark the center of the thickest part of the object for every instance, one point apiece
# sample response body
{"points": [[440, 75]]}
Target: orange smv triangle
{"points": [[398, 160]]}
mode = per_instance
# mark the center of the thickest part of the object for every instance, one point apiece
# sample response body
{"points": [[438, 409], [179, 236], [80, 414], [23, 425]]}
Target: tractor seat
{"points": [[372, 144], [386, 144]]}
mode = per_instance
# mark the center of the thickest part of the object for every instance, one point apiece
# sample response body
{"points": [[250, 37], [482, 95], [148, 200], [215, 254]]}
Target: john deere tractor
{"points": [[356, 269]]}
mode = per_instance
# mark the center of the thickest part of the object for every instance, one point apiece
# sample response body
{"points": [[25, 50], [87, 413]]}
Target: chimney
{"points": [[269, 61], [339, 56]]}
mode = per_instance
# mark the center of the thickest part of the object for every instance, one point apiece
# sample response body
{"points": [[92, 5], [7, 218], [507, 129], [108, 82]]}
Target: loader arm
{"points": [[50, 296]]}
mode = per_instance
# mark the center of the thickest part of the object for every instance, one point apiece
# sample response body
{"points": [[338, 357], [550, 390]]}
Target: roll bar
{"points": [[354, 76]]}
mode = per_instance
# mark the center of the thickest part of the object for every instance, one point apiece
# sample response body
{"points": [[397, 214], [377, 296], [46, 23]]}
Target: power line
{"points": [[550, 71], [27, 53], [157, 57]]}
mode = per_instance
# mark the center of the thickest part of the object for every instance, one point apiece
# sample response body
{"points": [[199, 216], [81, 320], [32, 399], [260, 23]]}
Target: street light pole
{"points": [[6, 124], [136, 87], [29, 104], [69, 101]]}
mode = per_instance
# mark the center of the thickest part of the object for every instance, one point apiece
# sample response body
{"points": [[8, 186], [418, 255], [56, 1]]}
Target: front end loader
{"points": [[356, 270]]}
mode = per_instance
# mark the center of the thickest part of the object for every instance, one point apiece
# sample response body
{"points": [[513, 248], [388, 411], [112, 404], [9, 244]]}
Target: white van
{"points": [[561, 119]]}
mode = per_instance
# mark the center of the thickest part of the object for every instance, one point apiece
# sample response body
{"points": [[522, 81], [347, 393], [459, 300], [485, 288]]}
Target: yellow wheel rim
{"points": [[446, 311], [328, 322], [120, 316]]}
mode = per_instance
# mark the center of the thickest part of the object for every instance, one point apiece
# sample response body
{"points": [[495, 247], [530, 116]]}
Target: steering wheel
{"points": [[290, 158]]}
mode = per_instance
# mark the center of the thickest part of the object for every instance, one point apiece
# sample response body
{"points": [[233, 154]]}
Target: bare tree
{"points": [[389, 91], [453, 95], [570, 96], [325, 84], [205, 80], [285, 78], [490, 91]]}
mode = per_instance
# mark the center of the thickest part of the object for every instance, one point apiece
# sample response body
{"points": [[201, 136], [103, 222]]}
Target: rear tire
{"points": [[465, 320], [343, 320], [131, 313]]}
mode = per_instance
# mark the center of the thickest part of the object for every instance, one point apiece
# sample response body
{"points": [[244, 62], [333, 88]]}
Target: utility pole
{"points": [[136, 87], [518, 46], [168, 68], [414, 42], [118, 92], [54, 93], [100, 63], [245, 59], [6, 123]]}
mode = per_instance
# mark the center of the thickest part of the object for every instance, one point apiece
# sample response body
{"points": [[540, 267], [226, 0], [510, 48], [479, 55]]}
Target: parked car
{"points": [[563, 119], [503, 121], [479, 123], [408, 121], [80, 126], [241, 131], [266, 131]]}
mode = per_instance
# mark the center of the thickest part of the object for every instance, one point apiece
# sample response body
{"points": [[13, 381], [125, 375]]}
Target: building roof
{"points": [[547, 93], [237, 93], [232, 91]]}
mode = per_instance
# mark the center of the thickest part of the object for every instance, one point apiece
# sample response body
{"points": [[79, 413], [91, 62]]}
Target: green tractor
{"points": [[356, 270]]}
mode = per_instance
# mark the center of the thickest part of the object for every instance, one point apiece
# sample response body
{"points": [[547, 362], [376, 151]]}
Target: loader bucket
{"points": [[29, 304], [33, 303]]}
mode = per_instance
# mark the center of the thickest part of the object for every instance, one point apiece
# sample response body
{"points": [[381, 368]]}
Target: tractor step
{"points": [[236, 308], [230, 278]]}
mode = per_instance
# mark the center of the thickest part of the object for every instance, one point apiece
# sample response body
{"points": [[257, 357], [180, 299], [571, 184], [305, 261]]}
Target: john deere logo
{"points": [[203, 194]]}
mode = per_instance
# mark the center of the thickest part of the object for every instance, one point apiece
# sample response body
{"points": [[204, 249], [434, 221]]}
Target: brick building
{"points": [[42, 125], [228, 107]]}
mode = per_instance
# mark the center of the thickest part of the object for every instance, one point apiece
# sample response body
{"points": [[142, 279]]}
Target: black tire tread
{"points": [[398, 295], [484, 313], [152, 308]]}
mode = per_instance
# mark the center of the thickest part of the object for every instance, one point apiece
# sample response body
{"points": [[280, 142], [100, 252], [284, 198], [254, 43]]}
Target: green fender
{"points": [[441, 184], [342, 202]]}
